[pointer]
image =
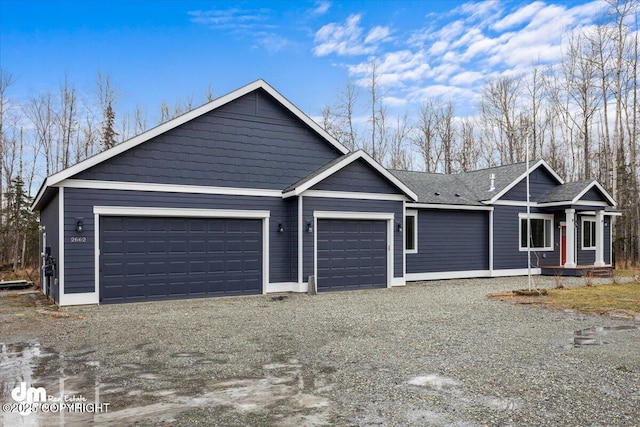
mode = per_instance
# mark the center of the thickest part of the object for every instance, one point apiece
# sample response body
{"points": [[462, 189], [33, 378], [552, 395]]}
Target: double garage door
{"points": [[352, 254], [145, 258]]}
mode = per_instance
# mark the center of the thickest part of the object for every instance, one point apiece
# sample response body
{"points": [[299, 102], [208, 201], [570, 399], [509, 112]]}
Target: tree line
{"points": [[580, 115], [49, 132]]}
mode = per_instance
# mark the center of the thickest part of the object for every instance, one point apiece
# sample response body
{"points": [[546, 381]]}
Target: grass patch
{"points": [[628, 272], [620, 299], [596, 299]]}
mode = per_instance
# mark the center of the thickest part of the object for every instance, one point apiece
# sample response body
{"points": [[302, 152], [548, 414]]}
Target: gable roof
{"points": [[338, 164], [506, 177], [572, 192], [436, 188], [470, 188], [473, 188], [171, 124]]}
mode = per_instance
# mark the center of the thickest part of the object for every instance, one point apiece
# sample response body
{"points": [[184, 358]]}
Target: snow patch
{"points": [[434, 381]]}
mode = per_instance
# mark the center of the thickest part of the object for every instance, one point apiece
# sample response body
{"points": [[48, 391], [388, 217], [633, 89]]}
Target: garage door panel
{"points": [[352, 254], [164, 258], [197, 247]]}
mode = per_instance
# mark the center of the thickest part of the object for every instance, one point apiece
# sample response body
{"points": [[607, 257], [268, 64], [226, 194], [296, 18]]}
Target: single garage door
{"points": [[168, 258], [352, 254]]}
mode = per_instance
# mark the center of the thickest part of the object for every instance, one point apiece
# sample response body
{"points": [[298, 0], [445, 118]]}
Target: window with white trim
{"points": [[411, 232], [541, 237], [588, 233]]}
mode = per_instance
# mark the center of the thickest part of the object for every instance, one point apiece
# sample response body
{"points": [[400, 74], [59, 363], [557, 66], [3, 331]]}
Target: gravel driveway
{"points": [[432, 353]]}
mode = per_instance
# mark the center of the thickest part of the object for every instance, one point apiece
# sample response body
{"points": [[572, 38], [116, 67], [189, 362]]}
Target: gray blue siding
{"points": [[79, 257], [359, 177], [540, 182], [311, 204], [49, 219], [450, 240], [506, 240], [594, 195], [252, 142]]}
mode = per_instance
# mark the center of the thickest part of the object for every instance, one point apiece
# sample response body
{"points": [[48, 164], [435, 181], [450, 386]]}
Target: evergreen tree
{"points": [[21, 224], [108, 132]]}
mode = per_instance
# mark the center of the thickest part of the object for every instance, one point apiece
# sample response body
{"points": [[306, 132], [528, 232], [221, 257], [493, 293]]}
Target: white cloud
{"points": [[252, 24], [342, 39], [228, 18], [377, 34], [466, 78], [394, 69], [321, 8], [456, 52], [519, 16], [272, 42], [438, 47], [482, 9], [420, 95], [394, 101], [443, 72]]}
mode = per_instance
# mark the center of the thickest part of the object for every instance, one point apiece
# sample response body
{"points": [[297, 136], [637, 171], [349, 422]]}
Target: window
{"points": [[541, 232], [589, 233], [411, 232]]}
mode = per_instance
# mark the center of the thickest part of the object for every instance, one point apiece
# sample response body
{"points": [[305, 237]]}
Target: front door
{"points": [[563, 244]]}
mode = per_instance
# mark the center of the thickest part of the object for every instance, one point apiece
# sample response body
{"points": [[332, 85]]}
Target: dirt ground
{"points": [[439, 353]]}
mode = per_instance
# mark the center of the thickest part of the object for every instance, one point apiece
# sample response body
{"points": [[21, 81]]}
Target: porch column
{"points": [[599, 239], [571, 238]]}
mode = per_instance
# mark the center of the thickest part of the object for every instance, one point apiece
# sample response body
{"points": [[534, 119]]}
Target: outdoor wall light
{"points": [[309, 228], [79, 226], [280, 228], [399, 227]]}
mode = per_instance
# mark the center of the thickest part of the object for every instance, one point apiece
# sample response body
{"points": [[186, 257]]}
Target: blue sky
{"points": [[169, 50]]}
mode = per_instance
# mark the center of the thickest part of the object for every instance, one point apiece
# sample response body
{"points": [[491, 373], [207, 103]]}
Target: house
{"points": [[243, 195], [248, 195], [474, 224]]}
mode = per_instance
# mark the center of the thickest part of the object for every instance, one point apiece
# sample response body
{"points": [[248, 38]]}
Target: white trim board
{"points": [[548, 204], [595, 183], [168, 188], [583, 219], [79, 299], [444, 275], [231, 191], [353, 215], [61, 240], [448, 207], [300, 240], [380, 216], [398, 281], [171, 124], [179, 212], [542, 216], [287, 287], [470, 274], [263, 215], [412, 213], [516, 272], [354, 195]]}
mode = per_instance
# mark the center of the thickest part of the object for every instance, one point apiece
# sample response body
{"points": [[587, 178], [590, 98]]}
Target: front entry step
{"points": [[579, 271]]}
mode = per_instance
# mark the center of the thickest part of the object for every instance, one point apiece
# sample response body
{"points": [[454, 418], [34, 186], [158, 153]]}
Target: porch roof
{"points": [[571, 193]]}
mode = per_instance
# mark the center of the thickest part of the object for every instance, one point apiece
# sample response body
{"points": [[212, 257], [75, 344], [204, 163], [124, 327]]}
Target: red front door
{"points": [[563, 245]]}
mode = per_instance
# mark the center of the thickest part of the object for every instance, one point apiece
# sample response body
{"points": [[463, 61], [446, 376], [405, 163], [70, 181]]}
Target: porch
{"points": [[577, 271]]}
